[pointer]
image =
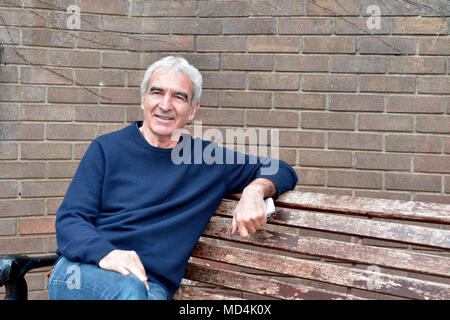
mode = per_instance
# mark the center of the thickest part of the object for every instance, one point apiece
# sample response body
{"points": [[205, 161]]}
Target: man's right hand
{"points": [[124, 262]]}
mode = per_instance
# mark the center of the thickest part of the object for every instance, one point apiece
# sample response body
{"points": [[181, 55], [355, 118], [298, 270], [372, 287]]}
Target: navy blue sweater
{"points": [[129, 195]]}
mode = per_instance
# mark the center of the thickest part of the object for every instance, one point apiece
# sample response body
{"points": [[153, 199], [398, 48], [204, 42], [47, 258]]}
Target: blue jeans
{"points": [[80, 281]]}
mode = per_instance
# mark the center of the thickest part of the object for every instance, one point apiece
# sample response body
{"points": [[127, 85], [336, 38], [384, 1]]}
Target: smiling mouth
{"points": [[164, 118]]}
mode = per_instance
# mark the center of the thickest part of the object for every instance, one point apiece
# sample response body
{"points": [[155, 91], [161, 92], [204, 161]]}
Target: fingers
{"points": [[125, 262], [247, 224]]}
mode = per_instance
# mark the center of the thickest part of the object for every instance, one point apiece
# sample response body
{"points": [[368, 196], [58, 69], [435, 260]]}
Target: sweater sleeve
{"points": [[76, 234], [245, 168]]}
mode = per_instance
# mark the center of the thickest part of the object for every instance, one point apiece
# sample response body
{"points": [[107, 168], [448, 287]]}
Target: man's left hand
{"points": [[250, 213]]}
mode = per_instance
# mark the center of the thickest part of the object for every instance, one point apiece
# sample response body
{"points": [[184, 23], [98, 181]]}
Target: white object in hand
{"points": [[270, 206]]}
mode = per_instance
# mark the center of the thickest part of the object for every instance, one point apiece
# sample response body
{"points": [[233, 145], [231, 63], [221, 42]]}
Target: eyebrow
{"points": [[183, 94]]}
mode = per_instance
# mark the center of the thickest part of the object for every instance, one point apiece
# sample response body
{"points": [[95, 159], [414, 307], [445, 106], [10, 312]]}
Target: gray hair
{"points": [[179, 64]]}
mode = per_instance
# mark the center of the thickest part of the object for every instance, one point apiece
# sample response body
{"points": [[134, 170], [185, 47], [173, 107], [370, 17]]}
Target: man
{"points": [[131, 216]]}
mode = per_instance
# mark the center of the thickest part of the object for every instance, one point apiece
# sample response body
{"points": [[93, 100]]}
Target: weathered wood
{"points": [[384, 208], [432, 237], [258, 284], [186, 292], [314, 270], [324, 248]]}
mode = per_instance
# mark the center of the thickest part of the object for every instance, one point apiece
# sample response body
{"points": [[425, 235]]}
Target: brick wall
{"points": [[360, 111]]}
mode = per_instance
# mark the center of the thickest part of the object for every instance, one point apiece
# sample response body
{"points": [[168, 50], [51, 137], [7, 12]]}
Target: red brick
{"points": [[48, 38], [221, 43], [434, 85], [246, 62], [53, 204], [432, 198], [223, 8], [298, 139], [22, 207], [22, 93], [413, 143], [312, 177], [447, 184], [45, 150], [9, 35], [322, 158], [7, 227], [9, 112], [387, 45], [22, 131], [9, 151], [430, 26], [434, 46], [62, 169], [344, 83], [72, 94], [299, 100], [46, 112], [135, 25], [99, 114], [22, 18], [322, 120], [272, 118], [100, 77], [44, 188], [358, 64], [71, 132], [246, 99], [102, 40], [277, 8], [274, 44], [354, 102], [391, 7], [121, 60], [74, 58], [271, 81], [104, 6], [383, 161], [447, 144], [121, 96], [413, 182], [220, 116], [385, 122], [355, 141], [161, 43], [429, 163], [163, 8], [248, 26], [301, 63], [329, 45], [23, 245], [355, 179], [58, 20], [415, 104], [383, 195], [20, 170], [8, 189], [223, 80], [387, 83], [9, 74], [433, 124], [36, 225], [416, 65], [34, 56], [304, 26], [332, 8], [44, 75], [358, 25]]}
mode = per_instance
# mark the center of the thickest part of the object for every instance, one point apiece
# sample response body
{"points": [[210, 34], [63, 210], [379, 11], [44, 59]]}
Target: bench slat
{"points": [[186, 292], [366, 280], [349, 252], [432, 237], [258, 284], [385, 208]]}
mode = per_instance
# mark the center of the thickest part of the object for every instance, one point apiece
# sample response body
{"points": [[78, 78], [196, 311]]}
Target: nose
{"points": [[166, 103]]}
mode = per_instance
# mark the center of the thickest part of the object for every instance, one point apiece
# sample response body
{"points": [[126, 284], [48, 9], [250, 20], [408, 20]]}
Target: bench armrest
{"points": [[13, 269]]}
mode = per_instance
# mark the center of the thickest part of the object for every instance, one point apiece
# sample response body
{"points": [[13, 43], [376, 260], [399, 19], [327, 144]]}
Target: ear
{"points": [[194, 110]]}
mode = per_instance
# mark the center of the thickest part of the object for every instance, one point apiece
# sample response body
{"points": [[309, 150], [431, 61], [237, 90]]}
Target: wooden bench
{"points": [[318, 246]]}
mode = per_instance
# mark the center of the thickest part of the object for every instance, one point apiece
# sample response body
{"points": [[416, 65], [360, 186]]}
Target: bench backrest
{"points": [[320, 246]]}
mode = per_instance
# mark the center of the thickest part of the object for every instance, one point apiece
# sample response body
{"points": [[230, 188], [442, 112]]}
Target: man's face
{"points": [[167, 103]]}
